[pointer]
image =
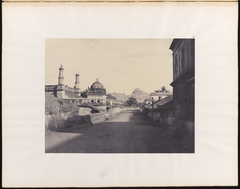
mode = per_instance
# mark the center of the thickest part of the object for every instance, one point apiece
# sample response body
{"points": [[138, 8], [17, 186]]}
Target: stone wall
{"points": [[60, 121], [98, 117], [183, 95], [63, 120], [183, 81], [167, 118], [84, 111], [176, 128], [161, 118]]}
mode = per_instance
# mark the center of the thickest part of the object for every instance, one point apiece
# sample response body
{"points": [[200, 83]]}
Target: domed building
{"points": [[96, 95]]}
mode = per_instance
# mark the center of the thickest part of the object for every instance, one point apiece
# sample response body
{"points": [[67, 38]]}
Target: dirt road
{"points": [[126, 132]]}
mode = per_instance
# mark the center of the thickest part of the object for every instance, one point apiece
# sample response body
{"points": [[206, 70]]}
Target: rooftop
{"points": [[69, 94], [161, 94], [97, 85]]}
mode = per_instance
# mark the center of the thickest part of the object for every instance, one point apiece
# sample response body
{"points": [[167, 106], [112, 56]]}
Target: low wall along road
{"points": [[63, 120], [98, 117], [60, 121]]}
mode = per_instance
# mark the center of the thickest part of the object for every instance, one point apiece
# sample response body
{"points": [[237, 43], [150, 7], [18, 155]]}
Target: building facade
{"points": [[183, 52], [63, 91], [96, 96], [158, 96]]}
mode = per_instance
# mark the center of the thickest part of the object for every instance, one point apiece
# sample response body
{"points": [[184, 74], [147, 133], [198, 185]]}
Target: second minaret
{"points": [[77, 84]]}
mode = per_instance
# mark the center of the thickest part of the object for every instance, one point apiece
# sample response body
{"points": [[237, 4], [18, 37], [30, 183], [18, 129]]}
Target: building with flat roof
{"points": [[64, 91]]}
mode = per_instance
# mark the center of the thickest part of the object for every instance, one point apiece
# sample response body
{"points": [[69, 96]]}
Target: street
{"points": [[126, 132]]}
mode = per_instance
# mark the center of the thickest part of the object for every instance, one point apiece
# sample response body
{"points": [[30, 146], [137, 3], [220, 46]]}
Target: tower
{"points": [[77, 84], [61, 78]]}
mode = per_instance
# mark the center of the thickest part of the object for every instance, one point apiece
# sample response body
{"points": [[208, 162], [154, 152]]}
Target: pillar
{"points": [[61, 78], [77, 84]]}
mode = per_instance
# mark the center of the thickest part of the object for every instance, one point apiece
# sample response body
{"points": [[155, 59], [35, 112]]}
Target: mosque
{"points": [[94, 96]]}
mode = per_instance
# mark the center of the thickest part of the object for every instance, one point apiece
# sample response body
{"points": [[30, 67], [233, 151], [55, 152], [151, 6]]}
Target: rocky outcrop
{"points": [[139, 95]]}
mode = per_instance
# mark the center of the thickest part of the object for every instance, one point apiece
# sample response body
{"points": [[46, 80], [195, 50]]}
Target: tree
{"points": [[131, 101], [162, 90], [84, 94]]}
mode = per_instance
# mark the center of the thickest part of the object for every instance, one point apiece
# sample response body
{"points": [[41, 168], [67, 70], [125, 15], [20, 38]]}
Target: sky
{"points": [[121, 65]]}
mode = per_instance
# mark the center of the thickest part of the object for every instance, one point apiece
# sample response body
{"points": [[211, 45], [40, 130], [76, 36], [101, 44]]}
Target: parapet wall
{"points": [[115, 110], [97, 117], [167, 118], [60, 121], [63, 120], [161, 118]]}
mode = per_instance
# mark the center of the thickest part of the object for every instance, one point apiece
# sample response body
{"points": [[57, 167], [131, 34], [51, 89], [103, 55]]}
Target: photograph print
{"points": [[119, 95]]}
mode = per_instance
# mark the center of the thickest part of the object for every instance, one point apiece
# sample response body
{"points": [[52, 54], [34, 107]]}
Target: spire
{"points": [[77, 84], [61, 77], [97, 79], [61, 68]]}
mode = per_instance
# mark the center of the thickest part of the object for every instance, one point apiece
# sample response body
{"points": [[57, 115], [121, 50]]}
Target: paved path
{"points": [[126, 132]]}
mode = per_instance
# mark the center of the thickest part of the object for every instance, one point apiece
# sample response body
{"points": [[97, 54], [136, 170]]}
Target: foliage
{"points": [[69, 107], [55, 105], [52, 104], [162, 90], [131, 101], [84, 94]]}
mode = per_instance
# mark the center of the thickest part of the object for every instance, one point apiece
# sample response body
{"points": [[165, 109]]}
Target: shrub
{"points": [[52, 104]]}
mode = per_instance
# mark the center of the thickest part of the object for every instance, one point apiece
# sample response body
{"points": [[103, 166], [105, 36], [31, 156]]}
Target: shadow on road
{"points": [[138, 135]]}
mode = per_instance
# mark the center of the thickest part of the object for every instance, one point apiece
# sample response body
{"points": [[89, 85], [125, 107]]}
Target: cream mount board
{"points": [[26, 26]]}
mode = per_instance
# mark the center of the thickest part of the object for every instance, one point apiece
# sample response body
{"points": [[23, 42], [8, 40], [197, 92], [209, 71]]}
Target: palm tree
{"points": [[162, 90]]}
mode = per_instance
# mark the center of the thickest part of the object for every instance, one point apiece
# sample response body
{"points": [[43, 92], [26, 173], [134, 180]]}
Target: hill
{"points": [[139, 95], [120, 96]]}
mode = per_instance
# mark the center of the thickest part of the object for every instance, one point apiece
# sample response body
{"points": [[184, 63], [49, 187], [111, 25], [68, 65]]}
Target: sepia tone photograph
{"points": [[83, 53], [119, 95]]}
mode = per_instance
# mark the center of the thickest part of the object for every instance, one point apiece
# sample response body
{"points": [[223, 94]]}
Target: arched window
{"points": [[98, 100], [92, 100]]}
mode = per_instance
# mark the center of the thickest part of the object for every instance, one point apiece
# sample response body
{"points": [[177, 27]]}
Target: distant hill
{"points": [[111, 97], [139, 95], [120, 96]]}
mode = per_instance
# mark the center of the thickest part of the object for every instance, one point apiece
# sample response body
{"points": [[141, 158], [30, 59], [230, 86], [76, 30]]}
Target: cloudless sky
{"points": [[121, 65]]}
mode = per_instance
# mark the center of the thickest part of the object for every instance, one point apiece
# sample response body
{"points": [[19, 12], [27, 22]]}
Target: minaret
{"points": [[77, 84], [61, 78]]}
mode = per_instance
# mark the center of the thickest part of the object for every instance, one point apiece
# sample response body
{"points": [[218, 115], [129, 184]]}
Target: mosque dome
{"points": [[97, 85]]}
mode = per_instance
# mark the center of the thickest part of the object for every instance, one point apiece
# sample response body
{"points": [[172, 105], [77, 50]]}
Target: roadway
{"points": [[126, 132]]}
